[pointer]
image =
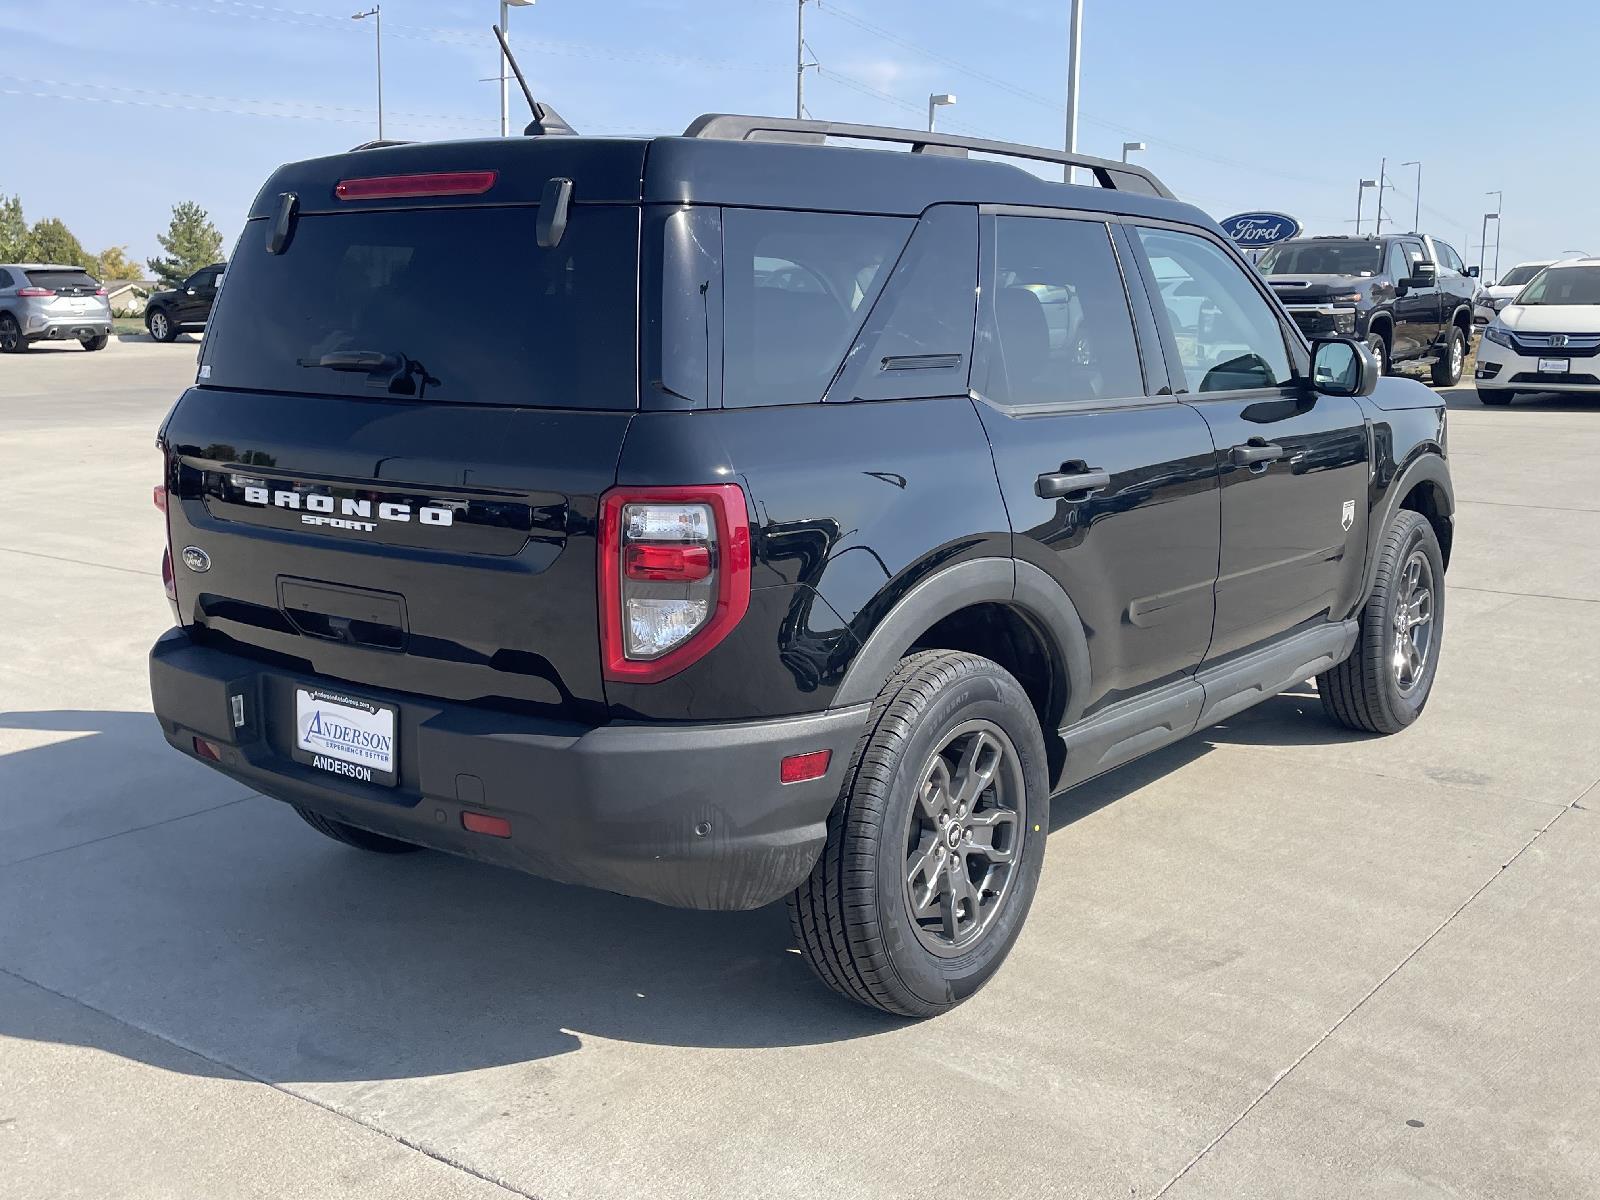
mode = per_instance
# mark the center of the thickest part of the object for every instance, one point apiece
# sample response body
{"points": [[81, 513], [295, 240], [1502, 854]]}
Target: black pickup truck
{"points": [[816, 514], [1407, 294]]}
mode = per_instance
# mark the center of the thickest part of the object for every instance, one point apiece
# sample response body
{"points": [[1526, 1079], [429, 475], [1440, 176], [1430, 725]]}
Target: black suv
{"points": [[814, 514], [1407, 294], [186, 307]]}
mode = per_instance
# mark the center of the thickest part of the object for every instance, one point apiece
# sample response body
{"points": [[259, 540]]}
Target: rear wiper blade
{"points": [[398, 374]]}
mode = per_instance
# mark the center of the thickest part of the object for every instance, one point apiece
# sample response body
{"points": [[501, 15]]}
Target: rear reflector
{"points": [[476, 822], [207, 750], [387, 187], [160, 497], [667, 562], [167, 580], [798, 768]]}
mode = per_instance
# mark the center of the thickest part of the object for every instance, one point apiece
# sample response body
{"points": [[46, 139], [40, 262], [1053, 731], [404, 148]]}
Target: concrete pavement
{"points": [[1276, 959]]}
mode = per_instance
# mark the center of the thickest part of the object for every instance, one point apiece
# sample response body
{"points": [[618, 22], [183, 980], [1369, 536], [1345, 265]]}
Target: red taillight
{"points": [[442, 183], [35, 292], [476, 822], [674, 576], [100, 292], [798, 768], [160, 497], [686, 563]]}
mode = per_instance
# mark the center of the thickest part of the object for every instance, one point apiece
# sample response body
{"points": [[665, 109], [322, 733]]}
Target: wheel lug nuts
{"points": [[943, 818]]}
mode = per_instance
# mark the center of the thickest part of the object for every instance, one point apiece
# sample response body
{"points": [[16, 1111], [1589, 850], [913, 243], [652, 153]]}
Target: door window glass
{"points": [[1060, 326], [797, 287], [1414, 254], [1450, 258], [1228, 336], [1399, 268]]}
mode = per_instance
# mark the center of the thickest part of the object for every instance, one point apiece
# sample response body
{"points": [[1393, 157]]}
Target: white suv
{"points": [[1503, 291], [1547, 339]]}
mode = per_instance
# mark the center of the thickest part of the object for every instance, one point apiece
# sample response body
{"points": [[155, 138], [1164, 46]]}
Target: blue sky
{"points": [[113, 110]]}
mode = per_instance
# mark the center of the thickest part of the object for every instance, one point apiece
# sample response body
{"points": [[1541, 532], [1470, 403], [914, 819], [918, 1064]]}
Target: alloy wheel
{"points": [[158, 327], [1457, 356], [1413, 622], [964, 837]]}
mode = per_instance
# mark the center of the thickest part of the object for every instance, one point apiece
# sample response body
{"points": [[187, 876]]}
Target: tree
{"points": [[191, 242], [113, 263], [16, 240], [53, 242]]}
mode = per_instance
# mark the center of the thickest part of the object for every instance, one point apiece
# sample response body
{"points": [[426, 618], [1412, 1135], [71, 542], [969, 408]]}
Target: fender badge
{"points": [[1347, 518], [196, 559]]}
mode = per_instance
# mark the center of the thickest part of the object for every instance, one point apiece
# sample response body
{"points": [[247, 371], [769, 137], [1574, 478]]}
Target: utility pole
{"points": [[1416, 215], [1074, 54], [1383, 182], [376, 12], [1361, 194], [800, 61], [1499, 205]]}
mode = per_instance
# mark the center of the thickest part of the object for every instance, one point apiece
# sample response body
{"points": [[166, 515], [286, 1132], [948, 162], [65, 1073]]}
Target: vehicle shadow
{"points": [[184, 338], [1459, 399], [239, 932]]}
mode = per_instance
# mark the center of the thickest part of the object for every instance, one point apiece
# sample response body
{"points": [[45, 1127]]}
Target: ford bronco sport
{"points": [[815, 515]]}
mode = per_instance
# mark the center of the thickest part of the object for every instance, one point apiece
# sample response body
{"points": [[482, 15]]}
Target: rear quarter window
{"points": [[464, 292]]}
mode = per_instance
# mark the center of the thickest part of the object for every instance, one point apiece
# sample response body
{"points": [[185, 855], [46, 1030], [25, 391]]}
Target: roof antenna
{"points": [[546, 121]]}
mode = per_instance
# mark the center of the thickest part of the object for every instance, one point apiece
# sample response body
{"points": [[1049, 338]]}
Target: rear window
{"points": [[465, 295], [70, 280]]}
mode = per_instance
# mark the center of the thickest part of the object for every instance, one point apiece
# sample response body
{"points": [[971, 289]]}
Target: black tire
{"points": [[1495, 397], [1365, 692], [350, 835], [158, 319], [11, 339], [1380, 348], [853, 915], [98, 342], [1452, 358]]}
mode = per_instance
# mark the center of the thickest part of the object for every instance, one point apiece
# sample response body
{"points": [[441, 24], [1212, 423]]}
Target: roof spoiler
{"points": [[1115, 176]]}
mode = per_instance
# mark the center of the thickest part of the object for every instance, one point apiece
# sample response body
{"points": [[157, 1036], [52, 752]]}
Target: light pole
{"points": [[1074, 53], [1499, 203], [505, 86], [1416, 215], [376, 13], [936, 101], [1129, 147], [1483, 237], [1361, 194]]}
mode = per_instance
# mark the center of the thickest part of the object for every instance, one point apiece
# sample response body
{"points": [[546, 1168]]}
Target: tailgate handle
{"points": [[353, 616]]}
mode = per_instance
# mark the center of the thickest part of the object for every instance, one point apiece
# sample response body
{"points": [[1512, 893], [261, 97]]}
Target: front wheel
{"points": [[935, 844], [160, 325], [1383, 685], [1447, 370]]}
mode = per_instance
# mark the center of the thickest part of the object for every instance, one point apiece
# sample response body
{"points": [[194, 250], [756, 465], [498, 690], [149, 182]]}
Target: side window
{"points": [[1059, 329], [918, 338], [1399, 268], [797, 287], [1414, 254], [1228, 337], [5, 279], [1451, 259]]}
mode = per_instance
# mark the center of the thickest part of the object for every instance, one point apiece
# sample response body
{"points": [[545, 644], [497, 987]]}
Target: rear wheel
{"points": [[98, 342], [1384, 684], [361, 839], [1447, 370], [11, 339], [1495, 397], [934, 847], [160, 325]]}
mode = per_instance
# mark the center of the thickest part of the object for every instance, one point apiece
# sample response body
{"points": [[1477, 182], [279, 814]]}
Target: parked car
{"points": [[1547, 339], [757, 552], [51, 302], [1408, 295], [1503, 291], [185, 308]]}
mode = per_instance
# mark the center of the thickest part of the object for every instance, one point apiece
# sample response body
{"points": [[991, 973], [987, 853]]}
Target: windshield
{"points": [[1332, 257], [1518, 276], [1563, 285], [463, 297]]}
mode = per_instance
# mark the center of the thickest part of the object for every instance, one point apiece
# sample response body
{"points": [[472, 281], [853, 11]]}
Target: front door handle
{"points": [[1256, 453], [1053, 484]]}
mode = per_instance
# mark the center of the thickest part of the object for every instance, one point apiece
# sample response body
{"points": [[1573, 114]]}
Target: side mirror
{"points": [[1473, 272], [1343, 367], [1423, 274], [189, 290]]}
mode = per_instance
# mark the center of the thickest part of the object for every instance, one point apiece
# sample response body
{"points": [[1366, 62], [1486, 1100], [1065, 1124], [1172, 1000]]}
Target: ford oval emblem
{"points": [[196, 559], [1260, 228]]}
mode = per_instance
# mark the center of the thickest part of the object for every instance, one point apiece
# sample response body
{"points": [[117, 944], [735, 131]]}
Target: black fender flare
{"points": [[1018, 585], [1428, 467]]}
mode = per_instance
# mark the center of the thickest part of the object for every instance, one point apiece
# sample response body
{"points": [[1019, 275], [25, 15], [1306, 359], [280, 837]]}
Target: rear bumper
{"points": [[51, 329], [688, 815]]}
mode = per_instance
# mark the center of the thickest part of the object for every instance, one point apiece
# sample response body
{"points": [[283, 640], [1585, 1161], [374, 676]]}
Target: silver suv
{"points": [[41, 301]]}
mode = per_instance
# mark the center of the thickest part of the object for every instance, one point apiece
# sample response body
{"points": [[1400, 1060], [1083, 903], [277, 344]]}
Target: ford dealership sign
{"points": [[1259, 229]]}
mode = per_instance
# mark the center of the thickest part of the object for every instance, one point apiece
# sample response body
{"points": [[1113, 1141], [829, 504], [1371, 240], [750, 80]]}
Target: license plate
{"points": [[345, 735], [1554, 366]]}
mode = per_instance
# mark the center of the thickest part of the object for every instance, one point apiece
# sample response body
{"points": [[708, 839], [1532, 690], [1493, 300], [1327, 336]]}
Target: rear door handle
{"points": [[1255, 453], [1053, 484]]}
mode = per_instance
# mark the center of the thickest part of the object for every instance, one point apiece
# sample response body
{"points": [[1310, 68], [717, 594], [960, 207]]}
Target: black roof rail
{"points": [[1117, 176], [379, 145]]}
